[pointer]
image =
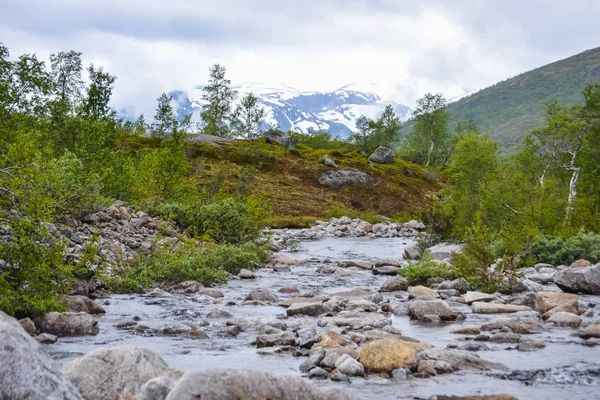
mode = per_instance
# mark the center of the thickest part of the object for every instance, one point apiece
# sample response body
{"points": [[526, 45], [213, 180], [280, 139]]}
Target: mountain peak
{"points": [[305, 111]]}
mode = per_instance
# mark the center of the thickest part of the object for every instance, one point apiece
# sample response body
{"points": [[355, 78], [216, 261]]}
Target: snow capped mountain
{"points": [[288, 108]]}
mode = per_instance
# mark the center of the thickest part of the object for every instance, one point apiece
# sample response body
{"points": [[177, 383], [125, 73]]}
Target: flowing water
{"points": [[565, 368]]}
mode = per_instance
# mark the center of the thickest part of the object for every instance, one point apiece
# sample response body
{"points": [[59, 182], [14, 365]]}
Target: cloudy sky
{"points": [[405, 47]]}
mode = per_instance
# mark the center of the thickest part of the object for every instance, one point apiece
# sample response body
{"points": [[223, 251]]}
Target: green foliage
{"points": [[229, 220], [32, 272], [218, 98], [429, 142], [165, 120], [166, 265], [371, 134], [474, 172], [473, 264], [419, 272], [557, 250], [248, 117]]}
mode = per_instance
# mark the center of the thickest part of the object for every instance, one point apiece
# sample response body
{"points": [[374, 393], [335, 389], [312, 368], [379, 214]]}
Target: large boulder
{"points": [[67, 324], [545, 301], [84, 304], [382, 155], [225, 384], [387, 354], [312, 309], [26, 371], [115, 372], [444, 251], [282, 139], [579, 279], [394, 284], [421, 309], [342, 178]]}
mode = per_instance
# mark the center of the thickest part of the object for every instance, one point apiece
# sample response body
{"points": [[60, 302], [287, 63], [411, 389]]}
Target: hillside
{"points": [[289, 179], [290, 109], [510, 108]]}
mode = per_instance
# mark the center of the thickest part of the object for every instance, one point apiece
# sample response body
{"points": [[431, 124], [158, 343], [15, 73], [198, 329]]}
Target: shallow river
{"points": [[564, 369]]}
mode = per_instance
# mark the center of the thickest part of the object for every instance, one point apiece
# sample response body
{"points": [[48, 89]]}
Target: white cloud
{"points": [[405, 47]]}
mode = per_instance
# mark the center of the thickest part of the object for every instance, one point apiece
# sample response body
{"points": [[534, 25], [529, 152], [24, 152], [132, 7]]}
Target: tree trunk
{"points": [[429, 154], [572, 193]]}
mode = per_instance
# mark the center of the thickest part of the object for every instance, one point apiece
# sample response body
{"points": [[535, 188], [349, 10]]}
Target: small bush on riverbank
{"points": [[230, 220], [207, 263], [424, 269], [32, 272], [557, 250]]}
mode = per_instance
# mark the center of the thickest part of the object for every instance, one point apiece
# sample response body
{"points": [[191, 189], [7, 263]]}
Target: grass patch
{"points": [[166, 265]]}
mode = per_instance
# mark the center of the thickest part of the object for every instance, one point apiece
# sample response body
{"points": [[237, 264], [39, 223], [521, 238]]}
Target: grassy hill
{"points": [[289, 178], [510, 108]]}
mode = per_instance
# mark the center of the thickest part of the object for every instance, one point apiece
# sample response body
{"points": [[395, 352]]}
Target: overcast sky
{"points": [[406, 47]]}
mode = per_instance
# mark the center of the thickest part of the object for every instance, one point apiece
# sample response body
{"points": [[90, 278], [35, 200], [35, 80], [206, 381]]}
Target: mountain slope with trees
{"points": [[511, 108]]}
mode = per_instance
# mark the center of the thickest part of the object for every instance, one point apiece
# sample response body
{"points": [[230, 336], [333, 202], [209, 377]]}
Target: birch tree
{"points": [[561, 144], [430, 134]]}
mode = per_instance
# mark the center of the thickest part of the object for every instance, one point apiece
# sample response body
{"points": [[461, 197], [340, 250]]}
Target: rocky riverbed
{"points": [[334, 312]]}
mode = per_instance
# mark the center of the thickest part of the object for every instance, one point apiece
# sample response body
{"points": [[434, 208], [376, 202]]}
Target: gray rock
{"points": [[420, 309], [46, 338], [67, 324], [579, 279], [356, 320], [413, 252], [388, 270], [312, 309], [115, 372], [282, 139], [276, 339], [29, 326], [156, 388], [444, 251], [564, 319], [246, 274], [382, 155], [526, 285], [394, 284], [329, 162], [458, 360], [307, 337], [339, 377], [350, 367], [341, 178], [314, 360], [318, 373], [26, 371], [262, 295], [399, 375], [82, 304], [471, 297], [226, 384], [505, 337]]}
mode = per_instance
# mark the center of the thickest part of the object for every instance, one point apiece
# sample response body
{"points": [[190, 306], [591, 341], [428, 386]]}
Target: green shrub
{"points": [[473, 264], [557, 250], [32, 274], [230, 220], [427, 267], [207, 263]]}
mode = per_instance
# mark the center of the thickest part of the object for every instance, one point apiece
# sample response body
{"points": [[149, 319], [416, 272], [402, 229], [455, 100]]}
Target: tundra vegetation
{"points": [[64, 149]]}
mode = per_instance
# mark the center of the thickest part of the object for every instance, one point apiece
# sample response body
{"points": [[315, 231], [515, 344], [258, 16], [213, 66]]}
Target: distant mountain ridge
{"points": [[509, 109], [289, 109]]}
